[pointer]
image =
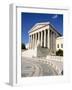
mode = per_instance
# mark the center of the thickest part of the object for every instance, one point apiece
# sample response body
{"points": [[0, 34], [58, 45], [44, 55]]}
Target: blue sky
{"points": [[28, 20]]}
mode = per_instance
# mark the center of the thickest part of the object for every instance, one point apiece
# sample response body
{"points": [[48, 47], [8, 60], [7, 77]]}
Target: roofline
{"points": [[39, 24], [55, 29], [38, 28], [45, 26]]}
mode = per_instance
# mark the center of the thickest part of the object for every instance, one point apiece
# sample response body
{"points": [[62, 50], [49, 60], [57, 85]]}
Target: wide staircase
{"points": [[42, 52], [37, 52], [28, 53]]}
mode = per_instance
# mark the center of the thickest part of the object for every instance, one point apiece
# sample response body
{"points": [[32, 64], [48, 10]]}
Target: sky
{"points": [[28, 20]]}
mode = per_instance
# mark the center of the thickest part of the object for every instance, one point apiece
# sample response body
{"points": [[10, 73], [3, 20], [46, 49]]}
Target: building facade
{"points": [[43, 34], [59, 43]]}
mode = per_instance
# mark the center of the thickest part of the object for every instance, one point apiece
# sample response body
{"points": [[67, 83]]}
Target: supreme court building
{"points": [[44, 35]]}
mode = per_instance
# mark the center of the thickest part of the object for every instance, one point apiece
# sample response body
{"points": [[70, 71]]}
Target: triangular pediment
{"points": [[39, 25]]}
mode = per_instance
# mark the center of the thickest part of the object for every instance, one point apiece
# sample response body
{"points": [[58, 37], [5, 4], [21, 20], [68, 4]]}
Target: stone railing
{"points": [[56, 58], [54, 61]]}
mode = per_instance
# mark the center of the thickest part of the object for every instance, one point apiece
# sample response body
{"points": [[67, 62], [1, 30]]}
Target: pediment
{"points": [[38, 25]]}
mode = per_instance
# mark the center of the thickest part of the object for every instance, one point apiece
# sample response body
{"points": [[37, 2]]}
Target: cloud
{"points": [[55, 16]]}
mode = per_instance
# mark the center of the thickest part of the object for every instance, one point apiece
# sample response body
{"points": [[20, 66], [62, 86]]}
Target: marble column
{"points": [[33, 41], [48, 38], [41, 38], [44, 38], [51, 40], [38, 37], [54, 43]]}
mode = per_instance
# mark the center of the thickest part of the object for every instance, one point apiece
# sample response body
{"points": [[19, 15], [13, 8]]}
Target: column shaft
{"points": [[48, 38], [41, 37], [33, 41], [38, 37], [54, 42], [44, 38], [51, 40]]}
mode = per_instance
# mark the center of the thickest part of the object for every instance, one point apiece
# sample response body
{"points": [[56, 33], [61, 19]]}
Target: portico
{"points": [[43, 34]]}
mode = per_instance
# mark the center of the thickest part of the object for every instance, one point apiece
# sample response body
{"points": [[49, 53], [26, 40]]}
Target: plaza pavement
{"points": [[32, 67]]}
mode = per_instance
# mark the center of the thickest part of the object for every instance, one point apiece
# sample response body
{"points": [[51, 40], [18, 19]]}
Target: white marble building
{"points": [[59, 43], [42, 39]]}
